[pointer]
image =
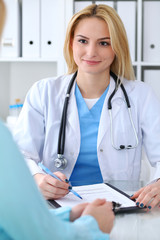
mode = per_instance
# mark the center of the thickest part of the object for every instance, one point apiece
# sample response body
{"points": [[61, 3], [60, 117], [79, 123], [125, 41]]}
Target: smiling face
{"points": [[91, 46]]}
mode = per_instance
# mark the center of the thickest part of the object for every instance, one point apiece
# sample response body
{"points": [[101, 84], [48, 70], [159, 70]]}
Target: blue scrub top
{"points": [[87, 170]]}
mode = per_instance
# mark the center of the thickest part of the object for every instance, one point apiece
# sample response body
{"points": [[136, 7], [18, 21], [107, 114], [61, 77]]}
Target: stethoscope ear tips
{"points": [[121, 146]]}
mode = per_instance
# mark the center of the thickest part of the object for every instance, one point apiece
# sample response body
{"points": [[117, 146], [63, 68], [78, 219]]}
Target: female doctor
{"points": [[20, 199], [107, 116]]}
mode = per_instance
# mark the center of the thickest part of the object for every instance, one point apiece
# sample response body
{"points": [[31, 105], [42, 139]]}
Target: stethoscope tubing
{"points": [[112, 136], [61, 136], [117, 84]]}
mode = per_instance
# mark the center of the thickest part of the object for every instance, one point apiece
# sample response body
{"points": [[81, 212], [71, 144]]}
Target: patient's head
{"points": [[2, 15]]}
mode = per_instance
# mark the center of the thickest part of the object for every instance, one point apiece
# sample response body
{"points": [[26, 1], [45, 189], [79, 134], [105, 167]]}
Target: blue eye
{"points": [[82, 41], [104, 43]]}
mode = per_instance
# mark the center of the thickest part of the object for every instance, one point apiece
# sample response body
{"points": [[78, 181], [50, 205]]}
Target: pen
{"points": [[46, 170]]}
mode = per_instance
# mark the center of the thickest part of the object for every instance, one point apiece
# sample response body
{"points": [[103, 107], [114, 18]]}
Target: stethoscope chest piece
{"points": [[60, 162]]}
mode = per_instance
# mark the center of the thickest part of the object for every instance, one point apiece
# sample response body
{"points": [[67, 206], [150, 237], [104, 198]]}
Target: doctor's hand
{"points": [[101, 210], [148, 196], [50, 187]]}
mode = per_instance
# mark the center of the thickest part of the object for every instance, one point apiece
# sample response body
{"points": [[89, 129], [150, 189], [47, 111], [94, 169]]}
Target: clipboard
{"points": [[117, 210], [134, 209]]}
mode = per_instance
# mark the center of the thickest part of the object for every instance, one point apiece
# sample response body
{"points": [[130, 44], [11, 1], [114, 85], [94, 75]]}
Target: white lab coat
{"points": [[38, 127]]}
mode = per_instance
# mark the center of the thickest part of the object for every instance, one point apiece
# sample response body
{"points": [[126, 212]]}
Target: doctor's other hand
{"points": [[101, 210], [50, 187], [148, 196]]}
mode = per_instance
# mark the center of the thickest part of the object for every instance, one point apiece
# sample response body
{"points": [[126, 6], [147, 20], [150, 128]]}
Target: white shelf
{"points": [[20, 59], [150, 64], [135, 63]]}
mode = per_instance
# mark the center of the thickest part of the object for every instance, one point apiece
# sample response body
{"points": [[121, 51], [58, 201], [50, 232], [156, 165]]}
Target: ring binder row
{"points": [[151, 34], [127, 10], [33, 29], [36, 28]]}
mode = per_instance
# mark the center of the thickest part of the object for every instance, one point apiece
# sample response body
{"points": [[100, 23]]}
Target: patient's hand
{"points": [[76, 211], [101, 210]]}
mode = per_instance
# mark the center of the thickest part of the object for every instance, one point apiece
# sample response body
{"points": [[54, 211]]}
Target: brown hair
{"points": [[122, 65]]}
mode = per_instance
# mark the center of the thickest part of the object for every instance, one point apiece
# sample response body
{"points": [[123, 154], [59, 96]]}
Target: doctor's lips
{"points": [[91, 62]]}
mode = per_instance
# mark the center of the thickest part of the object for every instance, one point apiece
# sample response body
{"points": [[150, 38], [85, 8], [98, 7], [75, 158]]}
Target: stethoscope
{"points": [[61, 163]]}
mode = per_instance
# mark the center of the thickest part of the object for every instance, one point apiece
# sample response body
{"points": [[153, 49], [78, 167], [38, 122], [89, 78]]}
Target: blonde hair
{"points": [[2, 15], [122, 65]]}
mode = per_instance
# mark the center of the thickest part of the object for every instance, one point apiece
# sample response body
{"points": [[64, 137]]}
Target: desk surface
{"points": [[135, 226]]}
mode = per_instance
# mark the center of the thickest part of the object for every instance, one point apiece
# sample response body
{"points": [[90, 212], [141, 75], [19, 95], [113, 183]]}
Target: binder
{"points": [[109, 3], [52, 28], [151, 33], [152, 77], [68, 12], [10, 43], [30, 28], [117, 208], [79, 5], [127, 12]]}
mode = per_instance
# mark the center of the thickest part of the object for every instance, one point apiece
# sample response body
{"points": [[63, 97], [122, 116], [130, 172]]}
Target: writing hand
{"points": [[50, 187]]}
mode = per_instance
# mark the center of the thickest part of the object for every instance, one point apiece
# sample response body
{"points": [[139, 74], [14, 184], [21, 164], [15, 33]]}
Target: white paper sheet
{"points": [[91, 192]]}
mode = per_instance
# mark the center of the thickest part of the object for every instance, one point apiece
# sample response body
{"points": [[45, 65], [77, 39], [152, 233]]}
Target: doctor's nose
{"points": [[91, 50]]}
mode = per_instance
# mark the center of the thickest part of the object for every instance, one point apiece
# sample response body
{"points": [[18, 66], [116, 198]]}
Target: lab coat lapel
{"points": [[104, 125]]}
